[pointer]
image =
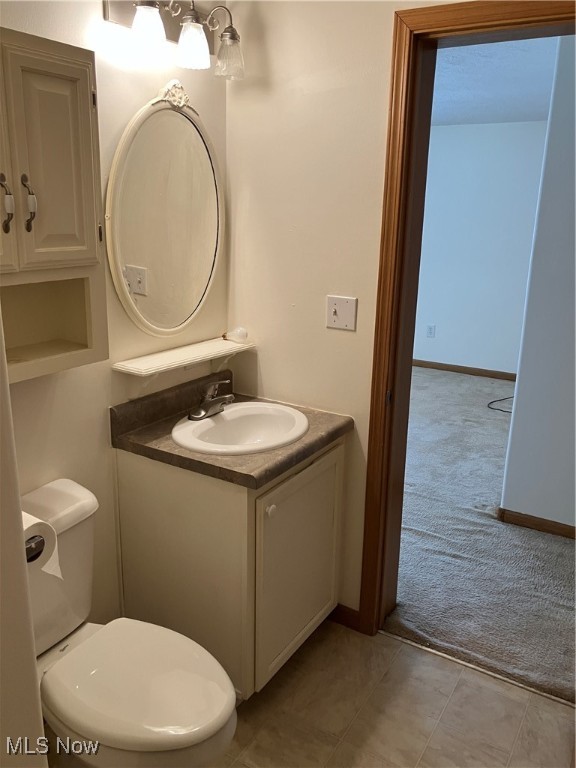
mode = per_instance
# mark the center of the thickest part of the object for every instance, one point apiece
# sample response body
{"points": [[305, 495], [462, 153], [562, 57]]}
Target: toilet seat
{"points": [[136, 686]]}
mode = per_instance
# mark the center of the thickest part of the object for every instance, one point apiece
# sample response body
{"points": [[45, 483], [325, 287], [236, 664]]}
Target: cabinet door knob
{"points": [[8, 204], [271, 510]]}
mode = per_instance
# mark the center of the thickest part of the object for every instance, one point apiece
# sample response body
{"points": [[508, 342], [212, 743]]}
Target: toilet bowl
{"points": [[124, 694]]}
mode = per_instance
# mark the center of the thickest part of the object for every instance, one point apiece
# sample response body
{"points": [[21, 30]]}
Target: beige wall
{"points": [[306, 142], [539, 472], [61, 421]]}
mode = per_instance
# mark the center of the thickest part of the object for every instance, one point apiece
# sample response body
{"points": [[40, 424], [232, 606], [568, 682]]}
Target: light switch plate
{"points": [[341, 312]]}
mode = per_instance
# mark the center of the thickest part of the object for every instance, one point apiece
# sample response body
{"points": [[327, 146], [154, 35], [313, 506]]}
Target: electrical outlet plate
{"points": [[341, 312], [136, 279]]}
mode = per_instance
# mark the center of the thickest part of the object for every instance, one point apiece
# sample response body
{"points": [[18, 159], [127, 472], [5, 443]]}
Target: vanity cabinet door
{"points": [[51, 122], [296, 561]]}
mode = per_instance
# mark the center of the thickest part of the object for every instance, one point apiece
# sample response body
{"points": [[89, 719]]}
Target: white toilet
{"points": [[151, 697]]}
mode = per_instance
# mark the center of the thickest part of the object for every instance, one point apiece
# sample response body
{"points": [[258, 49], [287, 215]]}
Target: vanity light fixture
{"points": [[193, 46], [229, 60], [147, 24], [192, 51], [156, 20]]}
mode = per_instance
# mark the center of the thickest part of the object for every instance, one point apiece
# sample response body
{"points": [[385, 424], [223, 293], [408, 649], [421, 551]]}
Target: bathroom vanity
{"points": [[239, 553]]}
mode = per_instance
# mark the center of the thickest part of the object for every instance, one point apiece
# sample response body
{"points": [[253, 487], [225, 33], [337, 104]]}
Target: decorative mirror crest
{"points": [[174, 93]]}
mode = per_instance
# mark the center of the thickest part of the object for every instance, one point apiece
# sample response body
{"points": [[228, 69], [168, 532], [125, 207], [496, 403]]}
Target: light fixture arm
{"points": [[174, 9], [213, 24]]}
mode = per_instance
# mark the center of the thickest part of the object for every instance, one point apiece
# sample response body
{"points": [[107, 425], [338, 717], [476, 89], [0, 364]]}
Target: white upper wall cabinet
{"points": [[52, 282], [50, 102]]}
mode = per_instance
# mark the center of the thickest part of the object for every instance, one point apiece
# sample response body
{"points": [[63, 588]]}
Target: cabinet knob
{"points": [[271, 510]]}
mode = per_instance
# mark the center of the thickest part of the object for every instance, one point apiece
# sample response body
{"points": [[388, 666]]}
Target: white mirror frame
{"points": [[172, 96]]}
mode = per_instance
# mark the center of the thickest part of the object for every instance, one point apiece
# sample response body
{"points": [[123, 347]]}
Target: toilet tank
{"points": [[60, 605]]}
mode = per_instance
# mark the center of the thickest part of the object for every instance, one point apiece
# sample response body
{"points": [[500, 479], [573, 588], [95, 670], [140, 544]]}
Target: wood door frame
{"points": [[417, 35]]}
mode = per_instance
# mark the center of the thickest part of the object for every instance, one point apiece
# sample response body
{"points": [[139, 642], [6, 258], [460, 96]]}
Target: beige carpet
{"points": [[492, 594]]}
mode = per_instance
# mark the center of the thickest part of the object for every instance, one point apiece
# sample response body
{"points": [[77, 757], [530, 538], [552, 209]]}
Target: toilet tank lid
{"points": [[62, 503]]}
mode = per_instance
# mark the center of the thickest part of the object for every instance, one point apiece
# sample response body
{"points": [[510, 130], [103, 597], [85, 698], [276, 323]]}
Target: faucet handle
{"points": [[212, 388]]}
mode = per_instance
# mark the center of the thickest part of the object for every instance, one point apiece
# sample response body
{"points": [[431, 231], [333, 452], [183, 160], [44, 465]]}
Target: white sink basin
{"points": [[242, 428]]}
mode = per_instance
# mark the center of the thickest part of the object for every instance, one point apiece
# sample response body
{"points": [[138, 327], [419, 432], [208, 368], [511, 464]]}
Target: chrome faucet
{"points": [[212, 403]]}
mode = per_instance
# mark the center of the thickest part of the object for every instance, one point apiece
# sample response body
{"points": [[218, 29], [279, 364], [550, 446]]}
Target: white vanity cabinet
{"points": [[52, 283], [248, 574], [296, 545]]}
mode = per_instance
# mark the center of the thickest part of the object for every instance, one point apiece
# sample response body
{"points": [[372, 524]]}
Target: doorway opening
{"points": [[460, 569], [418, 35]]}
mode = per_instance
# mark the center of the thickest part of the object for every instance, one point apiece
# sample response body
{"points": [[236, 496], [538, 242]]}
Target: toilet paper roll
{"points": [[47, 561]]}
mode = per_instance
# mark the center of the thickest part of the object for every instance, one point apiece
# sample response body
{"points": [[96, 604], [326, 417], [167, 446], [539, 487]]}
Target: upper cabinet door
{"points": [[49, 99], [8, 250]]}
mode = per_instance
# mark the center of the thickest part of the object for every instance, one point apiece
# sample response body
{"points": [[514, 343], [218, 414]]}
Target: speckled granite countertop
{"points": [[144, 427]]}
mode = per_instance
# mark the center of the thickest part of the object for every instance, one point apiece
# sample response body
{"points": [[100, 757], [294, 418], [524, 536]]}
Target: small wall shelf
{"points": [[171, 359]]}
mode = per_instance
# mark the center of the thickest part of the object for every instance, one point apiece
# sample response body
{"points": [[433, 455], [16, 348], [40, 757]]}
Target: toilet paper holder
{"points": [[34, 548]]}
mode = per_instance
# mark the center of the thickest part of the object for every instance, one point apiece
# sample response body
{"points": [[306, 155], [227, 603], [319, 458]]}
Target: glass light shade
{"points": [[148, 26], [192, 51], [230, 62]]}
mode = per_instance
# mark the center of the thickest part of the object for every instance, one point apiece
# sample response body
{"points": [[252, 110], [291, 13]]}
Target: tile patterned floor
{"points": [[346, 700]]}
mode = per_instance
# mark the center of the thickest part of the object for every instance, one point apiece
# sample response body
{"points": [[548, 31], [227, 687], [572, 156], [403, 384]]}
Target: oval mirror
{"points": [[164, 214]]}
